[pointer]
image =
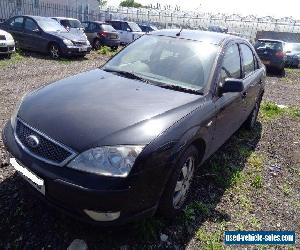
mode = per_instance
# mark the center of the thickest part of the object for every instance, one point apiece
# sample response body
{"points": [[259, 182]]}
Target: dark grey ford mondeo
{"points": [[122, 142]]}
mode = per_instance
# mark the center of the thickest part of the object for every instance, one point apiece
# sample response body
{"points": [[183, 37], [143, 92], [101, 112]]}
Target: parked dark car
{"points": [[43, 34], [70, 24], [101, 34], [271, 53], [292, 51], [147, 28], [122, 142]]}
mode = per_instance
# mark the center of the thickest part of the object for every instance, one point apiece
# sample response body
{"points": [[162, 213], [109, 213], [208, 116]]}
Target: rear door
{"points": [[252, 78], [229, 106], [15, 27]]}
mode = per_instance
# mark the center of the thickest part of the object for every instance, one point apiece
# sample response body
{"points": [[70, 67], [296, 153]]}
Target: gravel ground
{"points": [[251, 183]]}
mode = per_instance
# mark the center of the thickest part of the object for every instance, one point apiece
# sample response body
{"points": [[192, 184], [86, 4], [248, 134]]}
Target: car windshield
{"points": [[134, 26], [71, 23], [292, 47], [166, 60], [50, 25], [107, 27], [274, 45]]}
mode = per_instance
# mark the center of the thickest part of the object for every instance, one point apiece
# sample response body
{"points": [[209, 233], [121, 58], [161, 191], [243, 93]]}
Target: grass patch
{"points": [[107, 51], [194, 209], [210, 240], [270, 110], [15, 58], [64, 61], [257, 182], [256, 161]]}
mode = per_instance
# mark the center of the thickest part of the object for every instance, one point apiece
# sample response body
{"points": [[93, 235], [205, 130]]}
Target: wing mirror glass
{"points": [[232, 86]]}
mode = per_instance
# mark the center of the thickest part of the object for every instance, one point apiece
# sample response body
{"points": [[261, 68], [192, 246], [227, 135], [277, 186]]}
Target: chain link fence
{"points": [[250, 27], [245, 26]]}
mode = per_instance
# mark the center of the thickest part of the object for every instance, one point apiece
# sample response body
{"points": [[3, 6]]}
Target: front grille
{"points": [[47, 150], [2, 37], [3, 49], [79, 43]]}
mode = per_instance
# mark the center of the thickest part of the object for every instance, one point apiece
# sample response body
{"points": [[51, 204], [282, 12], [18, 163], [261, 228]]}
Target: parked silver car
{"points": [[7, 44]]}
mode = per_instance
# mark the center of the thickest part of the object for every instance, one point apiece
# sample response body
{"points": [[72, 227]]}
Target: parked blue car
{"points": [[43, 34]]}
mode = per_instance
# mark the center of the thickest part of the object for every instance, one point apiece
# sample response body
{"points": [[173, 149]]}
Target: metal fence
{"points": [[246, 26], [9, 8]]}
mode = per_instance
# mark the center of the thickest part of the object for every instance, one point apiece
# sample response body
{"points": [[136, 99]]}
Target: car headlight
{"points": [[68, 42], [13, 118], [114, 161]]}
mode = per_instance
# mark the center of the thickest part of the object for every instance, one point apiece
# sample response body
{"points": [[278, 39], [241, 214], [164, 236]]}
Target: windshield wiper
{"points": [[180, 88], [127, 74]]}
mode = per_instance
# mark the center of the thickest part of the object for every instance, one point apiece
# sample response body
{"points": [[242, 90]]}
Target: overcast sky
{"points": [[274, 8]]}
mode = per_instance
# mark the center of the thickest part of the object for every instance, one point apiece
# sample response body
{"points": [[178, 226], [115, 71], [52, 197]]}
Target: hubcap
{"points": [[54, 52], [183, 183]]}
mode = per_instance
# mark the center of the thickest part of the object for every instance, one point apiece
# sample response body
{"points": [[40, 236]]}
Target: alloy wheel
{"points": [[183, 183], [54, 51]]}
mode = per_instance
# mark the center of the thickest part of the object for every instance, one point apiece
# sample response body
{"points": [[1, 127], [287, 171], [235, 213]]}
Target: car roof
{"points": [[34, 17], [270, 40], [65, 18], [197, 35]]}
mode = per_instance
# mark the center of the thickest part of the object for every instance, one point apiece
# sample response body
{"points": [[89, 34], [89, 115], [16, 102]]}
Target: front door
{"points": [[32, 35], [229, 108]]}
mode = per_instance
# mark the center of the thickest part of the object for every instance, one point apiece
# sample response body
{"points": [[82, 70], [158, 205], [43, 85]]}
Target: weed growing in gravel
{"points": [[270, 110], [15, 58], [196, 208], [104, 50], [211, 240], [257, 182], [286, 189], [256, 161]]}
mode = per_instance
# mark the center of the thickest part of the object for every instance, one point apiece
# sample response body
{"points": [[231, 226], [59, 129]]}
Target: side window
{"points": [[125, 26], [85, 25], [116, 25], [30, 25], [94, 27], [17, 22], [248, 59], [231, 66]]}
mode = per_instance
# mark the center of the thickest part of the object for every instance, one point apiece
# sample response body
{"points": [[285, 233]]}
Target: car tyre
{"points": [[97, 44], [176, 190], [8, 56], [54, 51], [252, 118]]}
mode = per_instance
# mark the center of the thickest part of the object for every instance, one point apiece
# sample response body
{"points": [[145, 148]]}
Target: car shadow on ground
{"points": [[28, 223], [38, 55], [275, 73]]}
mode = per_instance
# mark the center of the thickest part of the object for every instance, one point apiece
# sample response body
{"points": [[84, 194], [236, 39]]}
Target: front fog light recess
{"points": [[102, 216], [115, 161]]}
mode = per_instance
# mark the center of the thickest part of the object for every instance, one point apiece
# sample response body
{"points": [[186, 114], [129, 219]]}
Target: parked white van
{"points": [[128, 31]]}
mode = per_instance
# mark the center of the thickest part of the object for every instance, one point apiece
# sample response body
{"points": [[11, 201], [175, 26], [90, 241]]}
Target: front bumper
{"points": [[76, 50], [73, 191], [7, 47]]}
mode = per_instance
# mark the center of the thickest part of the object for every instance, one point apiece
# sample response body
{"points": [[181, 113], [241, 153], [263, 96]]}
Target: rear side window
{"points": [[94, 27], [116, 25], [273, 45], [231, 66], [17, 22], [248, 59], [85, 25], [107, 27]]}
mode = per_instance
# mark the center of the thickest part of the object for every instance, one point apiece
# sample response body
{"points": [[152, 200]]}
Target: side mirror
{"points": [[232, 86], [128, 29], [36, 30]]}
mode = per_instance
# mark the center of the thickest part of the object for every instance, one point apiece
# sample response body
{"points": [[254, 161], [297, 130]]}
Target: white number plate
{"points": [[33, 179], [82, 49]]}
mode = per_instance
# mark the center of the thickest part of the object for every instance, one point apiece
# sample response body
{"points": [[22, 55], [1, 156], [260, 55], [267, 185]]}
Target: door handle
{"points": [[244, 94]]}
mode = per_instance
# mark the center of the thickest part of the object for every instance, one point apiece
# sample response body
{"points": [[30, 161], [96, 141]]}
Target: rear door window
{"points": [[248, 59], [17, 23], [116, 25]]}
